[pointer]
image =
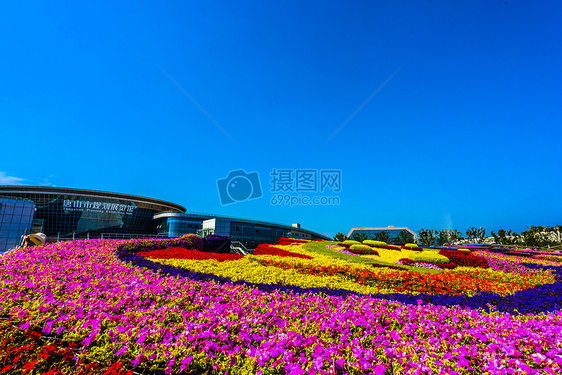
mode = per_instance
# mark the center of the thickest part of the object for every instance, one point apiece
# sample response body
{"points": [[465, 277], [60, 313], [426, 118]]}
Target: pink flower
{"points": [[122, 350]]}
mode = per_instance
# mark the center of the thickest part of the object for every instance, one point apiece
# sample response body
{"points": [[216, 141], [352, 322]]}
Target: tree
{"points": [[426, 237], [360, 236], [340, 237], [538, 236], [505, 237], [477, 235], [441, 237], [404, 237], [449, 236], [383, 236]]}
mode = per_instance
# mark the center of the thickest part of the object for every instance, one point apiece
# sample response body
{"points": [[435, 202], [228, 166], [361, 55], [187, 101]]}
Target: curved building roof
{"points": [[14, 190]]}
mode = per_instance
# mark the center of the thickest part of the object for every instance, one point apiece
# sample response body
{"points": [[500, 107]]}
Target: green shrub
{"points": [[411, 245], [351, 242], [374, 243], [361, 247], [429, 256]]}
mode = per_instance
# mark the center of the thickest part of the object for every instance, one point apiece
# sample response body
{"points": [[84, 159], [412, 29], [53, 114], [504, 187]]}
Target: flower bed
{"points": [[429, 257], [181, 253], [127, 312], [188, 241], [265, 249], [436, 265], [388, 247], [30, 352], [362, 250], [288, 241], [464, 260], [413, 248]]}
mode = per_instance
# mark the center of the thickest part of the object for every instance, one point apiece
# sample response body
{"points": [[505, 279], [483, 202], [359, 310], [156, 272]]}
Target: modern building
{"points": [[66, 213], [63, 213], [16, 216], [391, 230], [247, 231]]}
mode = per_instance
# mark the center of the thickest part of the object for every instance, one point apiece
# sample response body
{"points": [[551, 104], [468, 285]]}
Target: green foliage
{"points": [[360, 236], [411, 245], [351, 242], [538, 236], [449, 236], [476, 235], [506, 237], [340, 237], [428, 256], [383, 237], [404, 237], [361, 247], [374, 243], [426, 237], [535, 236]]}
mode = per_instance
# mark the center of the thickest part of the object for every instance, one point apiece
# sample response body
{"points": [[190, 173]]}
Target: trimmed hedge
{"points": [[429, 257], [351, 242], [362, 250], [361, 247]]}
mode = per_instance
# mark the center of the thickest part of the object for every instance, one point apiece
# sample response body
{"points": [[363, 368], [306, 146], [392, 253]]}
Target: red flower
{"points": [[266, 249], [181, 253], [288, 241]]}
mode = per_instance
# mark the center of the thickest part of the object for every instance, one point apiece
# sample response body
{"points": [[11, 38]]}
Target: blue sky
{"points": [[465, 133]]}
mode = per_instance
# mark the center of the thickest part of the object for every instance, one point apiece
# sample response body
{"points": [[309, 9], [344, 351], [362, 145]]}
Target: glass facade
{"points": [[16, 216], [69, 213], [63, 213], [249, 232], [176, 225], [218, 225]]}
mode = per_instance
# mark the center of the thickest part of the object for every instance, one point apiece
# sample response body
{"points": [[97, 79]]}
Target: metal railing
{"points": [[238, 248]]}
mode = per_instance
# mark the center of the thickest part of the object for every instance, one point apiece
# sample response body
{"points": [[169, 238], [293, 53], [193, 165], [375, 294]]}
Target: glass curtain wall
{"points": [[16, 216]]}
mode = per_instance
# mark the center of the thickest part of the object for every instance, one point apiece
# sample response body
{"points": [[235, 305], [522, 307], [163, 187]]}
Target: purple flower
{"points": [[122, 350]]}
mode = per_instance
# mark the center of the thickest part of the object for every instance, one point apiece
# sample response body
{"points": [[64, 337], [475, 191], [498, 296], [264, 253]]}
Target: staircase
{"points": [[237, 247]]}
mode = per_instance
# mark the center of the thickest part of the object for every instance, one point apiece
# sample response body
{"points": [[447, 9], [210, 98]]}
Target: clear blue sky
{"points": [[466, 133]]}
